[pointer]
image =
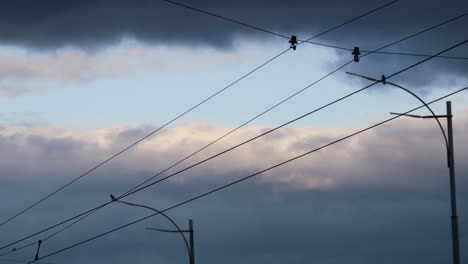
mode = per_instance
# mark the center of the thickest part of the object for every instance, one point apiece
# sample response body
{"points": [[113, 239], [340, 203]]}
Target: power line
{"points": [[261, 114], [308, 40], [225, 18], [142, 139], [179, 116], [250, 176], [22, 261], [234, 147], [289, 122], [420, 32], [269, 31], [49, 236]]}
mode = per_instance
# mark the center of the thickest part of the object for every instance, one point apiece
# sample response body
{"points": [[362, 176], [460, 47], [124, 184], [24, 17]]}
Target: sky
{"points": [[82, 80]]}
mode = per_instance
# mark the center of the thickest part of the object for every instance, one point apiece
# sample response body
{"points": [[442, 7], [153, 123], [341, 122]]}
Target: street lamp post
{"points": [[451, 166], [190, 231], [190, 249], [450, 158]]}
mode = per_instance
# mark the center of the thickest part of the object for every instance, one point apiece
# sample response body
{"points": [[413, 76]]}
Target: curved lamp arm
{"points": [[428, 107], [413, 94], [161, 213]]}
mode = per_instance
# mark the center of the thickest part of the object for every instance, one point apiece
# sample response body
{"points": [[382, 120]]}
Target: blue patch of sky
{"points": [[158, 95]]}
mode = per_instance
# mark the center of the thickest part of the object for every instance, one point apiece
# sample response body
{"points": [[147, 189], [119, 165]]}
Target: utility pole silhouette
{"points": [[450, 157], [192, 252], [451, 166]]}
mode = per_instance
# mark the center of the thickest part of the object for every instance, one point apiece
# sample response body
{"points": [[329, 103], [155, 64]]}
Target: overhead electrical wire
{"points": [[179, 116], [287, 99], [22, 261], [154, 131], [308, 40], [140, 140], [420, 32], [49, 236], [259, 115], [250, 176], [236, 146]]}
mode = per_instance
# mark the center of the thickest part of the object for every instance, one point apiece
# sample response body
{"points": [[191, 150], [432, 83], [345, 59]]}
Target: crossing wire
{"points": [[83, 216], [236, 146], [308, 40], [290, 97], [396, 42], [248, 177], [181, 115], [259, 115]]}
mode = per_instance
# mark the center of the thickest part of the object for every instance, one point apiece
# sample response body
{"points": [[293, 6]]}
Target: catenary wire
{"points": [[290, 97], [269, 31], [236, 146], [22, 261], [140, 140], [291, 121], [51, 235], [308, 40], [83, 215], [184, 113], [261, 114], [102, 163], [250, 176]]}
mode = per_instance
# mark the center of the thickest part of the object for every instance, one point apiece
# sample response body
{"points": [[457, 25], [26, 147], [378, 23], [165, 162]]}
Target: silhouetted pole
{"points": [[450, 157], [451, 166], [453, 196], [192, 249]]}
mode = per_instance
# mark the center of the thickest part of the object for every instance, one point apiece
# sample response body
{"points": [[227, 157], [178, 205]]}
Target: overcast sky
{"points": [[81, 80]]}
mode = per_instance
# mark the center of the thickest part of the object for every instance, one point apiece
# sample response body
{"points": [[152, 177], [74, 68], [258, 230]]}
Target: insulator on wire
{"points": [[293, 42], [356, 54], [384, 79]]}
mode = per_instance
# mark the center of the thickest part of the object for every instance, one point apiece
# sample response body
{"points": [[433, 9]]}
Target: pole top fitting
{"points": [[356, 54], [293, 42]]}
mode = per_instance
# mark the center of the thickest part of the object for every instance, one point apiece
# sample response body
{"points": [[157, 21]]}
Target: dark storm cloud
{"points": [[94, 24], [53, 23]]}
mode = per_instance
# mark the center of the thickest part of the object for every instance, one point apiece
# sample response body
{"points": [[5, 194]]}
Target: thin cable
{"points": [[190, 109], [313, 42], [393, 53], [86, 214], [292, 121], [248, 177], [225, 18], [22, 261], [269, 31], [132, 145], [141, 139], [352, 20], [243, 143]]}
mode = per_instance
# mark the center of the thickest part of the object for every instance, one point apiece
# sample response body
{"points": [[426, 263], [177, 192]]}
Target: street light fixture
{"points": [[190, 231], [450, 157], [190, 249]]}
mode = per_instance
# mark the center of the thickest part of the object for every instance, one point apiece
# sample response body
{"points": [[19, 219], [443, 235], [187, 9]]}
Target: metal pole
{"points": [[192, 252], [453, 196]]}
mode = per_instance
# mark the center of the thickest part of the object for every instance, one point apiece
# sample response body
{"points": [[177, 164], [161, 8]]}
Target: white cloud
{"points": [[69, 66], [387, 154]]}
